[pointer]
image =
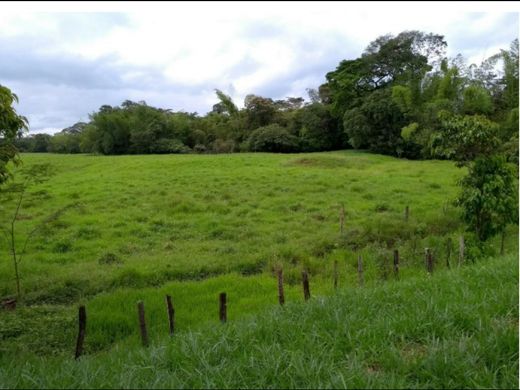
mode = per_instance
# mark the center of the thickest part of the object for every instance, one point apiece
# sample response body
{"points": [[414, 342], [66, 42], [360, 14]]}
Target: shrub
{"points": [[223, 146], [272, 138], [165, 145], [489, 198]]}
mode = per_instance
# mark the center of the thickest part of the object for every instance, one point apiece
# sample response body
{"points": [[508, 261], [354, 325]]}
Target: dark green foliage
{"points": [[64, 143], [376, 124], [272, 138], [259, 111], [509, 136], [36, 143], [464, 138], [137, 128], [489, 199], [401, 59], [11, 125], [477, 100], [317, 129]]}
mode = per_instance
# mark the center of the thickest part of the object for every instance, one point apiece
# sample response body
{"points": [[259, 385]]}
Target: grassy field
{"points": [[140, 227], [457, 329]]}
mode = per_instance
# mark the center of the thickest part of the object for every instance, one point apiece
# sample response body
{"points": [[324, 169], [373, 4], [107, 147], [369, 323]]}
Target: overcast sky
{"points": [[66, 60]]}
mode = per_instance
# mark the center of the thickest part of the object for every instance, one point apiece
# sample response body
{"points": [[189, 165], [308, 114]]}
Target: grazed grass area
{"points": [[138, 227], [457, 329]]}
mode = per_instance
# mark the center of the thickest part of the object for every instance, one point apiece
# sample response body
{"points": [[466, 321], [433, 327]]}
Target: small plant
{"points": [[35, 174], [489, 199], [16, 191]]}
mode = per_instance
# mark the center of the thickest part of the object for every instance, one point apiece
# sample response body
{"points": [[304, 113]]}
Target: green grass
{"points": [[189, 217], [455, 329], [140, 227]]}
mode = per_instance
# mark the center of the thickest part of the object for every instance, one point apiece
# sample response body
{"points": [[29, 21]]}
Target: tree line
{"points": [[400, 97]]}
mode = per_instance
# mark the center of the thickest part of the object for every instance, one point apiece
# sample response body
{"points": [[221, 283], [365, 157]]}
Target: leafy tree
{"points": [[11, 125], [356, 128], [226, 121], [509, 80], [403, 59], [41, 143], [317, 129], [225, 104], [32, 143], [450, 84], [64, 143], [489, 199], [511, 74], [509, 136], [314, 95], [259, 111], [376, 124], [477, 100], [272, 138], [464, 138], [108, 131]]}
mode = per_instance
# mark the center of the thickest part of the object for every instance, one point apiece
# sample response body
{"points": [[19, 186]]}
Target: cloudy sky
{"points": [[65, 60]]}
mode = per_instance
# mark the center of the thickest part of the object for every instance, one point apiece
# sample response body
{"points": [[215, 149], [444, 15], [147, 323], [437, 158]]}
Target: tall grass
{"points": [[455, 329]]}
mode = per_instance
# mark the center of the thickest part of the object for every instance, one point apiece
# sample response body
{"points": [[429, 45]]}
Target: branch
{"points": [[19, 202], [31, 233]]}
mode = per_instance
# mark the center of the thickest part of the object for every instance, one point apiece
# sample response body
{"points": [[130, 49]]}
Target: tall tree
{"points": [[225, 104], [403, 59]]}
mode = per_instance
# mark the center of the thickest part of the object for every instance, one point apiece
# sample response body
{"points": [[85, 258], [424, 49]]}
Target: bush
{"points": [[489, 198], [199, 148], [165, 145], [272, 138], [223, 146]]}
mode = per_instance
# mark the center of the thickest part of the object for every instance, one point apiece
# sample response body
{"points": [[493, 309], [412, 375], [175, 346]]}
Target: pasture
{"points": [[129, 228]]}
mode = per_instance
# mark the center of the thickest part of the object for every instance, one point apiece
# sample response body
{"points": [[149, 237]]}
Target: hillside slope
{"points": [[455, 329]]}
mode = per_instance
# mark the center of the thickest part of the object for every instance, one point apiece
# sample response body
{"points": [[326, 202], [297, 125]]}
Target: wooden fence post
{"points": [[335, 274], [429, 261], [281, 295], [223, 308], [396, 263], [406, 213], [461, 250], [82, 315], [171, 314], [360, 270], [142, 323], [306, 290]]}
